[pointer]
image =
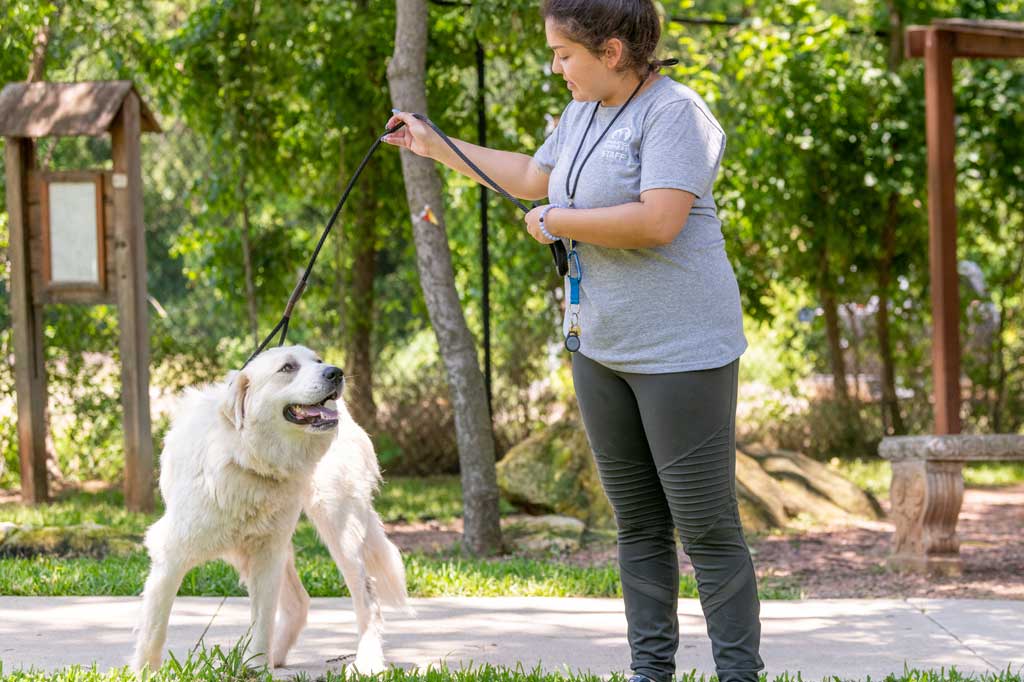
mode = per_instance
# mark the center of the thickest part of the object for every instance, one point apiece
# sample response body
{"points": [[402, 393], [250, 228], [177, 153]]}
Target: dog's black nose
{"points": [[333, 374]]}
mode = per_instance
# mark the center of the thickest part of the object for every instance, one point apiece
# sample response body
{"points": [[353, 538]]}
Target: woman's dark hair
{"points": [[592, 23]]}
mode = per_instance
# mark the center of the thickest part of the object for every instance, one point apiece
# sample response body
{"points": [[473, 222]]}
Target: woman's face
{"points": [[588, 77]]}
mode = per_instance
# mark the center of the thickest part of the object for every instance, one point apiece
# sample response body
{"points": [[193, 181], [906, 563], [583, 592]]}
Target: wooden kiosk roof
{"points": [[63, 109]]}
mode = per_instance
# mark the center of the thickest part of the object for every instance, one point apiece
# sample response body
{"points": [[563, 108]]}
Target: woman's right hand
{"points": [[415, 135]]}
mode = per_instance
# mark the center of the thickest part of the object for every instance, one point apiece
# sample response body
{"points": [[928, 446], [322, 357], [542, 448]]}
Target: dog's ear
{"points": [[233, 407]]}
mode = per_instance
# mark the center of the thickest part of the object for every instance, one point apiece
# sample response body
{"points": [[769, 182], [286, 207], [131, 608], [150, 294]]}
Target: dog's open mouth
{"points": [[321, 416]]}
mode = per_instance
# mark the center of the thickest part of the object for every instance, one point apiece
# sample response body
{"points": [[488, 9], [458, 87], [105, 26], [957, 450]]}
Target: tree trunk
{"points": [[339, 252], [37, 69], [1003, 380], [250, 282], [890, 404], [999, 390], [407, 78], [895, 35], [892, 421], [851, 312], [835, 346], [37, 72], [250, 285], [363, 240]]}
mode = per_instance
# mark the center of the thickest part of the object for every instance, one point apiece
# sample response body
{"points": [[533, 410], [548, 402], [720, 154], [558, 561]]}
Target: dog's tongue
{"points": [[315, 412]]}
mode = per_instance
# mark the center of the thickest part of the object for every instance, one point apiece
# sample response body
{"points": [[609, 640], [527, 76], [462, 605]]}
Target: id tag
{"points": [[572, 341]]}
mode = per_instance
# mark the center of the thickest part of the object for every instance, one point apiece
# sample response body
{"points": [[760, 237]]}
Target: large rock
{"points": [[542, 534], [809, 479], [88, 539], [761, 500], [553, 471]]}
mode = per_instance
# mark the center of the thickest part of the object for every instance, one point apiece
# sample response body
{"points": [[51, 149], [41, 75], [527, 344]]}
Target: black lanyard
{"points": [[572, 339], [572, 193]]}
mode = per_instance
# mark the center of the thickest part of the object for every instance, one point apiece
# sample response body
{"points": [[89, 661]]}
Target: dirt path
{"points": [[850, 562], [845, 561]]}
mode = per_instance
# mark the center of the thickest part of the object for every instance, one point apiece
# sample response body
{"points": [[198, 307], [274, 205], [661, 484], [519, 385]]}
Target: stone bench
{"points": [[927, 492]]}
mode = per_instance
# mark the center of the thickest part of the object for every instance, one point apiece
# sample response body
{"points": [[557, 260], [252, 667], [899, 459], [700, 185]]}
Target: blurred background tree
{"points": [[267, 108]]}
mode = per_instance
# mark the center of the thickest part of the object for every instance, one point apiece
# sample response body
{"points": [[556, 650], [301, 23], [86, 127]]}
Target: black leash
{"points": [[558, 252], [557, 248]]}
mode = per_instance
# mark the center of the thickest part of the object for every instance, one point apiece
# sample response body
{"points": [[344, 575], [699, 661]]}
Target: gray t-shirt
{"points": [[670, 308]]}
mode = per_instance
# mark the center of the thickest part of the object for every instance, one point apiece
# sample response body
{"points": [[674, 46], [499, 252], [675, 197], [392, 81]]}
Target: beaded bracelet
{"points": [[543, 229]]}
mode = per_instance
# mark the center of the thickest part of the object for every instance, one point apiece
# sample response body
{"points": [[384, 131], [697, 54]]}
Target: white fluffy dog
{"points": [[241, 460]]}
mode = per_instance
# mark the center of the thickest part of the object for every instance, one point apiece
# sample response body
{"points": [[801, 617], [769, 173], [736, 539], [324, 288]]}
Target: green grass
{"points": [[874, 475], [401, 499], [105, 508], [426, 576], [412, 499], [421, 499], [994, 473], [219, 665], [433, 575]]}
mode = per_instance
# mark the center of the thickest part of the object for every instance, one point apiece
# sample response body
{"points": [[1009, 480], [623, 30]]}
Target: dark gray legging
{"points": [[665, 450]]}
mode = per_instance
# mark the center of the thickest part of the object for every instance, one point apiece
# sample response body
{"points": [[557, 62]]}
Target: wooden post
{"points": [[29, 365], [939, 103], [130, 255]]}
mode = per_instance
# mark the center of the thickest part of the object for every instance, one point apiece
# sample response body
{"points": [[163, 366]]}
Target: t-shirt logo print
{"points": [[622, 134], [615, 147]]}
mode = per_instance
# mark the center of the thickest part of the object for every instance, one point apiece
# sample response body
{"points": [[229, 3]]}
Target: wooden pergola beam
{"points": [[970, 45], [945, 282], [939, 44]]}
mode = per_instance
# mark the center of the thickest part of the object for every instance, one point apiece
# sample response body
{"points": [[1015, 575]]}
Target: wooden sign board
{"points": [[77, 237], [73, 233]]}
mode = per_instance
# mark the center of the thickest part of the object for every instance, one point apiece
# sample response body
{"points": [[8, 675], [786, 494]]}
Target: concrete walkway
{"points": [[851, 638]]}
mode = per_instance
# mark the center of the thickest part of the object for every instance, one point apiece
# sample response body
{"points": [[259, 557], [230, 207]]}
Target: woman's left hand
{"points": [[533, 224]]}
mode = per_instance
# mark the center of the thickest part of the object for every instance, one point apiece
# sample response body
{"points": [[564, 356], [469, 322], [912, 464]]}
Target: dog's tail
{"points": [[384, 565]]}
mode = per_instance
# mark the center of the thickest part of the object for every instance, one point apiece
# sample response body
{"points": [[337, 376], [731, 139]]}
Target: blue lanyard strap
{"points": [[575, 274]]}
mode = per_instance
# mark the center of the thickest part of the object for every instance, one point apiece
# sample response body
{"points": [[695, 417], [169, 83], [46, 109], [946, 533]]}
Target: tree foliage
{"points": [[268, 107]]}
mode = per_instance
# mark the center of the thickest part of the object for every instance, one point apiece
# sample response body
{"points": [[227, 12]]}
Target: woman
{"points": [[629, 172]]}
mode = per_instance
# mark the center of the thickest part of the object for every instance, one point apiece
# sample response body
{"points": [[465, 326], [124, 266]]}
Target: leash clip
{"points": [[560, 256]]}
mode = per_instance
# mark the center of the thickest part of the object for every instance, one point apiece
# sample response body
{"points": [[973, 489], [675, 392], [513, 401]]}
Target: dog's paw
{"points": [[370, 666], [142, 663], [278, 653], [370, 656], [258, 660]]}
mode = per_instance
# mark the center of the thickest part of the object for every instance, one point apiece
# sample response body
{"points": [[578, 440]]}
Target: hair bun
{"points": [[658, 63]]}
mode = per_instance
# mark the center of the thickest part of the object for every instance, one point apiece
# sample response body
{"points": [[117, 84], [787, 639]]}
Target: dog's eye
{"points": [[287, 367], [319, 361]]}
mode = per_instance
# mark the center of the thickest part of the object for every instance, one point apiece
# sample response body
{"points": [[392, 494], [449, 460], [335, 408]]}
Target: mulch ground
{"points": [[843, 561]]}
